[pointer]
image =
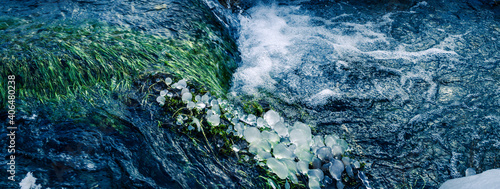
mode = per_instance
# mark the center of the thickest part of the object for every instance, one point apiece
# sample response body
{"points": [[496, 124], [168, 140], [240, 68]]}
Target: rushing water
{"points": [[414, 87]]}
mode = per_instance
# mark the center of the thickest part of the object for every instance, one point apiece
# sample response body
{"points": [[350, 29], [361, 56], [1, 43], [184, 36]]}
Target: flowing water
{"points": [[414, 88]]}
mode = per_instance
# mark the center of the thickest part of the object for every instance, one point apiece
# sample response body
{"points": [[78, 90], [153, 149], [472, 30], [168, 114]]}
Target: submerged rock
{"points": [[113, 138]]}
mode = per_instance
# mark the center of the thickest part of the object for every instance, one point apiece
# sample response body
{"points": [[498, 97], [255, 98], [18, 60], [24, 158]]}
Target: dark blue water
{"points": [[413, 87]]}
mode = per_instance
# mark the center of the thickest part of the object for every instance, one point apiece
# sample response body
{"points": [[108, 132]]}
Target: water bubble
{"points": [[302, 167], [205, 98], [186, 97], [336, 169], [184, 90], [280, 151], [259, 145], [303, 155], [161, 100], [356, 164], [281, 129], [277, 167], [214, 119], [190, 105], [272, 117], [261, 122], [168, 81], [324, 153], [316, 163], [470, 171], [314, 183], [197, 98], [181, 84], [340, 185], [317, 173], [252, 134], [251, 119], [200, 105], [163, 92]]}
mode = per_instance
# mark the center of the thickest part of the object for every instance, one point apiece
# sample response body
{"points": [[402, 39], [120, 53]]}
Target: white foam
{"points": [[29, 182], [487, 179], [261, 39], [280, 45], [323, 96]]}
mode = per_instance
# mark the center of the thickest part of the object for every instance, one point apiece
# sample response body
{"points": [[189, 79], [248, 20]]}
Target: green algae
{"points": [[67, 60]]}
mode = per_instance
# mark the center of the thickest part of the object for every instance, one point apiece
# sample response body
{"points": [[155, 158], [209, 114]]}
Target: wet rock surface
{"points": [[88, 152], [440, 125], [122, 145], [117, 141]]}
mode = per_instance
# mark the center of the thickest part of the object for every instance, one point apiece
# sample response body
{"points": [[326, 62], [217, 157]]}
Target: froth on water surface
{"points": [[414, 90]]}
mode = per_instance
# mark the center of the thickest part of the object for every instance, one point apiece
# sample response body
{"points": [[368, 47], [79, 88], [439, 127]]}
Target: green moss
{"points": [[253, 107]]}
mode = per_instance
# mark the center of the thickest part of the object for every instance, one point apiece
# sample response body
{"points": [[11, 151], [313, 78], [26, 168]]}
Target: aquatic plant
{"points": [[288, 152], [65, 59]]}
